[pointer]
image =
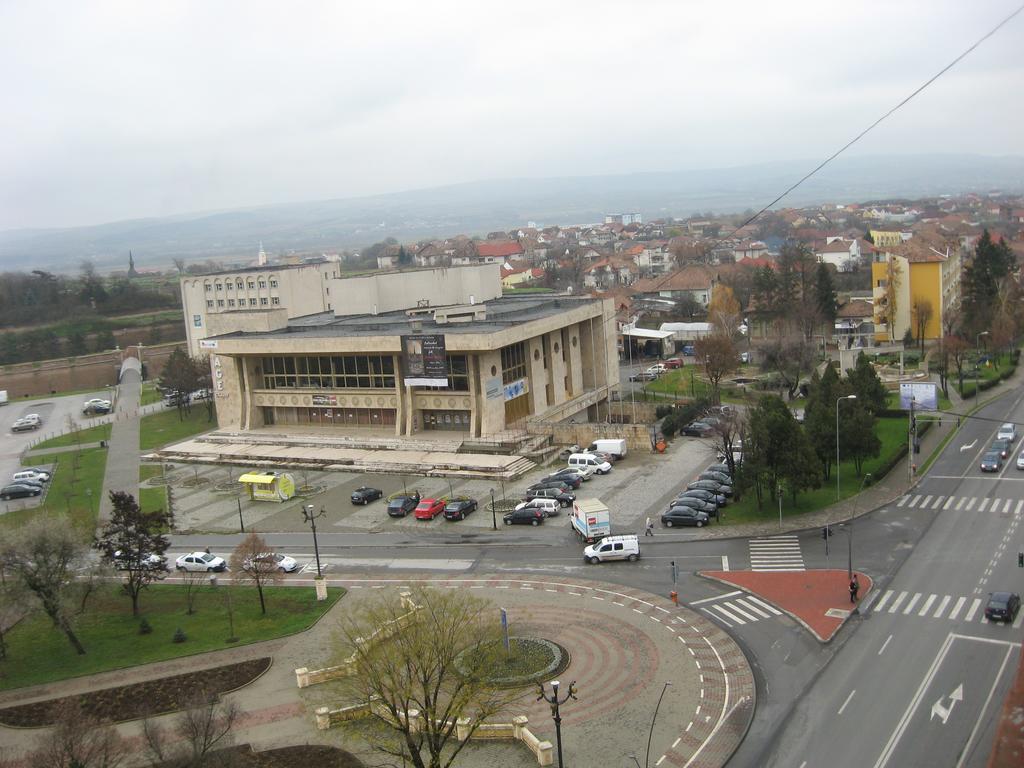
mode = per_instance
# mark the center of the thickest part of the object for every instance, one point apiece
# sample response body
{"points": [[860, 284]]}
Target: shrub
{"points": [[179, 636], [144, 627]]}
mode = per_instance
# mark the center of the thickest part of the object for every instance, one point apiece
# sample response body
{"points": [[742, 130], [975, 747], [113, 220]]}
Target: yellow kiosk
{"points": [[269, 486]]}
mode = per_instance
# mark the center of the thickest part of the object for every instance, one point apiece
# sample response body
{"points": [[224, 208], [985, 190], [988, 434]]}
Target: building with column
{"points": [[415, 351]]}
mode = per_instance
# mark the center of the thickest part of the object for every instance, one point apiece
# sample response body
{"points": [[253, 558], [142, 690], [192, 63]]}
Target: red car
{"points": [[428, 509], [674, 362]]}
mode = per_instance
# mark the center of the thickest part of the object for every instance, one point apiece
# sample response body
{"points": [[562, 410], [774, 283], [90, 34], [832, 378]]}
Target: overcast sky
{"points": [[128, 109]]}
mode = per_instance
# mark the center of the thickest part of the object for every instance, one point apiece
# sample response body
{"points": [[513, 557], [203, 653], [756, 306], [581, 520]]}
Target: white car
{"points": [[1020, 459], [1007, 432], [548, 506], [266, 561], [200, 561], [31, 474], [657, 369], [148, 562], [96, 402]]}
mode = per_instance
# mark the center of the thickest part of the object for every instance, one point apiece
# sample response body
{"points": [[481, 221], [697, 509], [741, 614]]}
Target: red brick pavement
{"points": [[819, 599], [1008, 749]]}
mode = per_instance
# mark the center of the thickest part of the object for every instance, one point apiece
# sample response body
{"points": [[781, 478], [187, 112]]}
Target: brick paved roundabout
{"points": [[624, 644]]}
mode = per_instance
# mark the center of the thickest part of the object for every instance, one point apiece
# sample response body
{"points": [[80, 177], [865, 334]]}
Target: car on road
{"points": [[562, 497], [1020, 459], [364, 494], [1002, 606], [714, 486], [200, 561], [1007, 432], [698, 429], [525, 516], [626, 547], [657, 369], [402, 504], [992, 462], [1003, 447], [549, 507], [147, 562], [643, 376], [19, 491], [96, 406], [708, 507], [684, 516], [428, 509], [673, 363], [24, 425], [271, 561], [458, 507], [712, 498]]}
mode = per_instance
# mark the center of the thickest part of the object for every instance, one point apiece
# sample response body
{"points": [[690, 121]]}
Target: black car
{"points": [[718, 477], [709, 496], [571, 478], [723, 468], [402, 505], [723, 489], [365, 494], [698, 429], [709, 508], [457, 509], [562, 484], [1003, 447], [525, 516], [684, 516], [569, 472], [991, 462], [19, 491], [1002, 606]]}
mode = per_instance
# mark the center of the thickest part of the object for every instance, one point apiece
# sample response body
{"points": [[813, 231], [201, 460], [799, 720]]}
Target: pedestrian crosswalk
{"points": [[962, 503], [739, 610], [934, 606], [776, 553]]}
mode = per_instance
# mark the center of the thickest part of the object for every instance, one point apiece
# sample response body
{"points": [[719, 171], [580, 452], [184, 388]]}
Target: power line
{"points": [[863, 133]]}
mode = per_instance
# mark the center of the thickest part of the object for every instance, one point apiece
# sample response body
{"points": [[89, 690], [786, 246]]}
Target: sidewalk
{"points": [[122, 472]]}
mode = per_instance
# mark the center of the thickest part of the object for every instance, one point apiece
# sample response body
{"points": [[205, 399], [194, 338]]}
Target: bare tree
{"points": [[179, 264], [923, 312], [728, 434], [14, 604], [192, 582], [791, 358], [438, 664], [80, 740], [254, 562], [194, 735], [717, 352], [46, 556]]}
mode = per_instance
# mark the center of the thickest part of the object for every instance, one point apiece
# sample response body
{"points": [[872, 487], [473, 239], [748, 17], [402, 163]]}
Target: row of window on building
{"points": [[240, 284], [261, 302], [348, 372]]}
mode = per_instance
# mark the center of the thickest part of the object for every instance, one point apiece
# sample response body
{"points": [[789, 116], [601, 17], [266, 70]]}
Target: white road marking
{"points": [[942, 607], [956, 608], [949, 501], [846, 702], [896, 602], [734, 607], [924, 504], [881, 603], [754, 608], [927, 605], [973, 609], [984, 503], [902, 501], [715, 616], [970, 503], [884, 645], [913, 501], [767, 606], [717, 597], [725, 562], [728, 614], [912, 603], [963, 500], [1018, 620]]}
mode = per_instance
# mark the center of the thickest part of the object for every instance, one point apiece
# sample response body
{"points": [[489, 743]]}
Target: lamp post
{"points": [[494, 517], [839, 400], [849, 531], [309, 517], [650, 734], [554, 701], [977, 378]]}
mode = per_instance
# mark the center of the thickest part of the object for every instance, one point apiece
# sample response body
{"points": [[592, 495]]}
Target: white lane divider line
{"points": [[846, 702]]}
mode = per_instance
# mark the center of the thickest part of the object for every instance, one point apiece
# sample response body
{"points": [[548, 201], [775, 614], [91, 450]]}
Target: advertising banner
{"points": [[924, 394], [424, 360], [325, 400]]}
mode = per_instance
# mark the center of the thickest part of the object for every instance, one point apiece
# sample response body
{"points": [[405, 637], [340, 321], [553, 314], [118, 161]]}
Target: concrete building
{"points": [[413, 351], [298, 290]]}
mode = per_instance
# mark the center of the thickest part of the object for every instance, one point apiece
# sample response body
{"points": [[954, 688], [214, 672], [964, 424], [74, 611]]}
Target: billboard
{"points": [[425, 364], [925, 395]]}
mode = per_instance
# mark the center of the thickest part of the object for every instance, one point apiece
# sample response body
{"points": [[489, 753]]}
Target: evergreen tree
{"points": [[778, 451], [857, 438], [825, 293], [865, 383], [981, 281], [820, 417]]}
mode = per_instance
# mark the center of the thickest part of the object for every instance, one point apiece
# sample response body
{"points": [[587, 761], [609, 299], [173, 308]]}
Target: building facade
{"points": [[416, 351]]}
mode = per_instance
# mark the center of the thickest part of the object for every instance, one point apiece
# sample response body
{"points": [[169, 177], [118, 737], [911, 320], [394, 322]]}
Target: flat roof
{"points": [[501, 314]]}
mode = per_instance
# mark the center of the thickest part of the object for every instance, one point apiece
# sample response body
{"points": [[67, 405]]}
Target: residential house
{"points": [[843, 254], [489, 252], [749, 249], [613, 270], [694, 280], [855, 326]]}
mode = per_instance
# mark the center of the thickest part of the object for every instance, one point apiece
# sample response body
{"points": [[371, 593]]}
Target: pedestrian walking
{"points": [[856, 588], [649, 529]]}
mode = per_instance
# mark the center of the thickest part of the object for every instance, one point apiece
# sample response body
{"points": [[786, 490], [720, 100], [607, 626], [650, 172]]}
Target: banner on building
{"points": [[425, 364], [325, 400], [492, 388], [515, 389], [924, 394]]}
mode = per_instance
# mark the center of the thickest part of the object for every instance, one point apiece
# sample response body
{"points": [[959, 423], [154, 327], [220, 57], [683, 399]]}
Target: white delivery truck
{"points": [[591, 519], [616, 448], [3, 397]]}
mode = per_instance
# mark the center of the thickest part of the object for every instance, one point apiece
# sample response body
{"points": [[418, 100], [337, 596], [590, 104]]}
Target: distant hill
{"points": [[483, 206]]}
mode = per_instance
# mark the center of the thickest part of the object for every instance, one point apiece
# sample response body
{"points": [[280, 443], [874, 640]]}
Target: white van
{"points": [[600, 466], [613, 548], [615, 447], [548, 506]]}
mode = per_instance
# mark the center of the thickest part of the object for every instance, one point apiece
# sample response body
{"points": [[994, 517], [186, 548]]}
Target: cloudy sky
{"points": [[116, 110]]}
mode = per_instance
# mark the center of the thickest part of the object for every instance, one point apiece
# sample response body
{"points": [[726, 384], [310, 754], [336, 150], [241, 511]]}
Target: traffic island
{"points": [[817, 599]]}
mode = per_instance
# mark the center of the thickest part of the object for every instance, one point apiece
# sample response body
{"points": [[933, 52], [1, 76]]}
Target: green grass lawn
{"points": [[38, 653], [893, 434], [81, 437], [69, 489], [151, 498], [892, 401], [149, 394], [680, 382], [159, 429]]}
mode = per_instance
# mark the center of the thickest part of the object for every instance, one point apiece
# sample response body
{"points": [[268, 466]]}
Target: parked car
{"points": [[657, 369], [708, 507], [31, 473], [570, 481], [24, 425], [723, 468], [200, 561], [428, 509], [549, 507], [525, 516], [625, 547], [689, 350], [643, 376], [599, 465], [583, 473], [269, 561], [711, 485], [563, 485], [1007, 432], [684, 516], [1003, 447], [96, 405], [712, 498], [720, 477], [698, 429], [674, 362], [562, 497], [147, 562], [19, 491], [34, 482], [402, 504], [993, 462], [459, 507], [365, 494], [1002, 606]]}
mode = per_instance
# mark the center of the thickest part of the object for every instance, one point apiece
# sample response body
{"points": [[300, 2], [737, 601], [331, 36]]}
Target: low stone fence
{"points": [[637, 436], [517, 730]]}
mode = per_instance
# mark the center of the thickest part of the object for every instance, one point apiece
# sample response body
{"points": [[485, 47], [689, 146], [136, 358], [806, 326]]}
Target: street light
{"points": [[494, 517], [849, 530], [845, 397], [309, 517], [650, 734], [554, 701], [977, 378]]}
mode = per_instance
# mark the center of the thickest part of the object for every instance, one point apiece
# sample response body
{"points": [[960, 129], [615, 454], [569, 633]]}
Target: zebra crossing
{"points": [[776, 553], [935, 606], [740, 610], [962, 503]]}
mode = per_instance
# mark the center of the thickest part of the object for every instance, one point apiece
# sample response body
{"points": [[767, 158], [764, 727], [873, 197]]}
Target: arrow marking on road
{"points": [[967, 447], [945, 712]]}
